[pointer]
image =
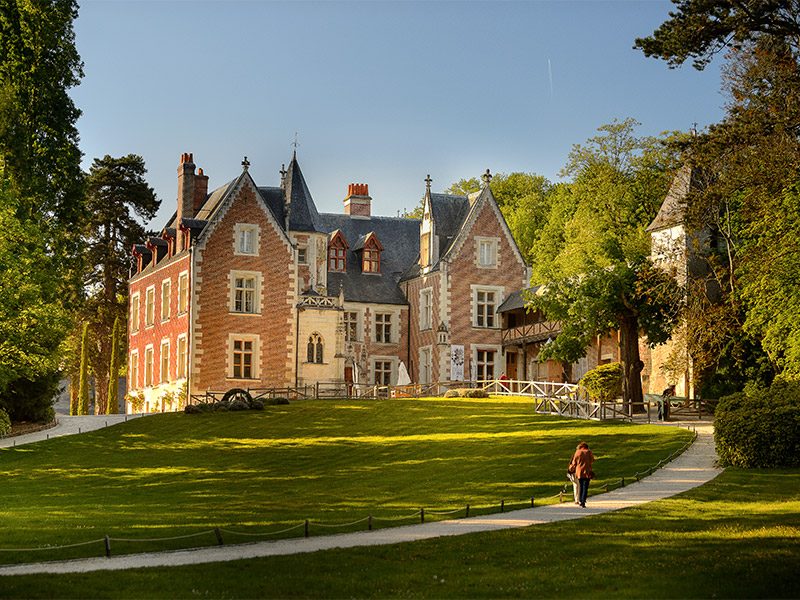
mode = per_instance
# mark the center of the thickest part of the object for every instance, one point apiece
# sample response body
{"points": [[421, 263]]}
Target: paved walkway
{"points": [[67, 425], [693, 468]]}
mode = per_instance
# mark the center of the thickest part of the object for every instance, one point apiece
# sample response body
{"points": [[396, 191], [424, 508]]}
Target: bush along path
{"points": [[691, 469]]}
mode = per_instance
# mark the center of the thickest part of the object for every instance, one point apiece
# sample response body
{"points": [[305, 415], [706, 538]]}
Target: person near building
{"points": [[581, 463]]}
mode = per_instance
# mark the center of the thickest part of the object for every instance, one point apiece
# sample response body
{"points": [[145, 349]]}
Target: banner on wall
{"points": [[456, 363]]}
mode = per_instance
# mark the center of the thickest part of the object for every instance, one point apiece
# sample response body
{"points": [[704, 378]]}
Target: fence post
{"points": [[369, 523], [107, 541], [531, 501], [502, 506], [421, 515], [466, 513], [623, 482], [305, 529], [218, 533], [316, 391], [560, 497]]}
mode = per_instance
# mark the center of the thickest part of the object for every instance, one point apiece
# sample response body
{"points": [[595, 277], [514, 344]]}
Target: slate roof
{"points": [[516, 300], [448, 212], [303, 215], [400, 240], [673, 209]]}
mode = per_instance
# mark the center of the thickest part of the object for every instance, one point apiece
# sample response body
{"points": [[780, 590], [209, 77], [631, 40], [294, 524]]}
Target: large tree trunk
{"points": [[631, 364]]}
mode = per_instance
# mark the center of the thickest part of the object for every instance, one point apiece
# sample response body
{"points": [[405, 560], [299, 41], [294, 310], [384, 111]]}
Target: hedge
{"points": [[604, 382], [5, 423], [760, 427]]}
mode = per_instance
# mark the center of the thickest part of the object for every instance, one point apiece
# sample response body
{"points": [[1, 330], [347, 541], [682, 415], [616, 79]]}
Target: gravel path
{"points": [[67, 425], [693, 468]]}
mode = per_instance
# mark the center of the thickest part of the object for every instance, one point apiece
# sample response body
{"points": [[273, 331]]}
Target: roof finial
{"points": [[283, 171], [428, 183], [694, 129], [245, 164], [487, 178], [295, 143]]}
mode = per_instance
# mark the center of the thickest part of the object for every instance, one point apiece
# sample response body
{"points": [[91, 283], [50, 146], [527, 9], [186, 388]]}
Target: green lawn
{"points": [[735, 537], [327, 461]]}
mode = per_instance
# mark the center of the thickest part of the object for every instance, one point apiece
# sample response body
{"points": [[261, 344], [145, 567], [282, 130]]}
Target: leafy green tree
{"points": [[464, 187], [83, 386], [592, 258], [700, 29], [32, 321], [113, 369]]}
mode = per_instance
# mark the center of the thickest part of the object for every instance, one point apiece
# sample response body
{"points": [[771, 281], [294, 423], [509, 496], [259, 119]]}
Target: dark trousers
{"points": [[583, 490]]}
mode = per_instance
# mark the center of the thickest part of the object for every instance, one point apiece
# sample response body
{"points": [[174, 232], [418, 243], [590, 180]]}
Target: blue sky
{"points": [[378, 92]]}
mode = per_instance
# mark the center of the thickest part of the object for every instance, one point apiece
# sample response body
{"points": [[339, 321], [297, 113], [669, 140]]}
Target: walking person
{"points": [[582, 462], [663, 404]]}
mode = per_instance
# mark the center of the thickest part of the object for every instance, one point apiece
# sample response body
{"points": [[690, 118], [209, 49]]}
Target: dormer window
{"points": [[371, 254], [337, 253], [246, 239]]}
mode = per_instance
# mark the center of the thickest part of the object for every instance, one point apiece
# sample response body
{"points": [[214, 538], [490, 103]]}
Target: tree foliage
{"points": [[700, 29], [113, 369]]}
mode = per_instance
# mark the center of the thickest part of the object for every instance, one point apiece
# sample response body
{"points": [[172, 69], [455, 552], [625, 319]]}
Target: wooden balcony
{"points": [[530, 333]]}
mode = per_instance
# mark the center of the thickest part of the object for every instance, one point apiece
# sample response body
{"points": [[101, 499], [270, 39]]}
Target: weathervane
{"points": [[245, 164]]}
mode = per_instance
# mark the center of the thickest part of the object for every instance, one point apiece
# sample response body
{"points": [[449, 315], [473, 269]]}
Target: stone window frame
{"points": [[165, 343], [256, 276], [487, 242], [181, 363], [302, 255], [498, 292], [425, 364], [426, 310], [386, 325], [133, 369], [359, 327], [183, 292], [240, 230], [135, 311], [150, 306], [148, 366], [168, 304], [393, 366], [255, 363], [315, 349], [498, 356]]}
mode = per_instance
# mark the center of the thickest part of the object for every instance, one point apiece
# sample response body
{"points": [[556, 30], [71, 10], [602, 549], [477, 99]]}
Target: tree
{"points": [[700, 29], [117, 198], [83, 386], [113, 370], [592, 258]]}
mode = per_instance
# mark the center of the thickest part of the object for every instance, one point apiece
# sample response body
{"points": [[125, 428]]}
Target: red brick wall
{"points": [[425, 337], [214, 321]]}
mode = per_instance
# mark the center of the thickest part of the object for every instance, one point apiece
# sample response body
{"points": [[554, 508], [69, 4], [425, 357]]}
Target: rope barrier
{"points": [[51, 547], [164, 539], [287, 530], [340, 524]]}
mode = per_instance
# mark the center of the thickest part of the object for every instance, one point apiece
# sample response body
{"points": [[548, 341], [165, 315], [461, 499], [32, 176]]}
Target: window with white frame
{"points": [[246, 238], [180, 358], [183, 293], [243, 356], [383, 328], [245, 292], [166, 299], [487, 252], [426, 308], [350, 326], [425, 365], [163, 372], [135, 313], [314, 348], [484, 360], [485, 301], [133, 371], [149, 306], [302, 255], [148, 366], [382, 372]]}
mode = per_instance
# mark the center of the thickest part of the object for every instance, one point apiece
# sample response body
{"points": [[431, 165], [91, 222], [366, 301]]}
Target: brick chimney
{"points": [[200, 191], [186, 178], [358, 201]]}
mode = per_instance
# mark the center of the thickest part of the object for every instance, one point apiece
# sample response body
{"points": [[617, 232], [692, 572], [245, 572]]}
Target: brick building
{"points": [[250, 286]]}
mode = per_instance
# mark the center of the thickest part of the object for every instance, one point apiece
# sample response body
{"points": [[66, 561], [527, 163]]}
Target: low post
{"points": [[305, 529], [369, 523], [218, 534], [531, 501], [421, 515], [560, 497], [466, 512], [502, 506], [623, 482], [107, 541]]}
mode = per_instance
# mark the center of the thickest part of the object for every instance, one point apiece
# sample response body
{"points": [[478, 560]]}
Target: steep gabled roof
{"points": [[673, 209], [448, 213], [303, 215]]}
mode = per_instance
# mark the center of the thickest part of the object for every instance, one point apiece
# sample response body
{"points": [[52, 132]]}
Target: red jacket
{"points": [[582, 461]]}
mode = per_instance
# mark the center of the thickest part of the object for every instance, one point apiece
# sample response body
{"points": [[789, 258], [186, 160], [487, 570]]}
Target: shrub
{"points": [[238, 404], [452, 394], [259, 404], [604, 382], [5, 423], [466, 393], [760, 427], [277, 401], [192, 409]]}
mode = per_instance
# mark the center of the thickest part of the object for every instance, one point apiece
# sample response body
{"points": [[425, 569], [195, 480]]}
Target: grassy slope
{"points": [[328, 461], [736, 537]]}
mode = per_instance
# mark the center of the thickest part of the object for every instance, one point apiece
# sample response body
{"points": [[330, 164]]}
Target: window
{"points": [[148, 366], [164, 370], [133, 371], [425, 366], [180, 359], [487, 252], [383, 372], [383, 328], [485, 364], [350, 326], [372, 261], [336, 259], [244, 294], [166, 287], [242, 359], [149, 306], [424, 249], [246, 239], [485, 306], [302, 255], [183, 293], [425, 309], [315, 348], [135, 313]]}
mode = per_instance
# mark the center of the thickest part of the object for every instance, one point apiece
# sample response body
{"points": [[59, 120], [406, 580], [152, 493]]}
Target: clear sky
{"points": [[378, 92]]}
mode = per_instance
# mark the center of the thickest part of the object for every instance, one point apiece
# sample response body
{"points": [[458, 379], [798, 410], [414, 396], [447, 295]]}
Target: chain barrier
{"points": [[369, 520]]}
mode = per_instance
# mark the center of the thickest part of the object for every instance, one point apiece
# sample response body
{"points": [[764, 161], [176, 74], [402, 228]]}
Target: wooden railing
{"points": [[532, 332]]}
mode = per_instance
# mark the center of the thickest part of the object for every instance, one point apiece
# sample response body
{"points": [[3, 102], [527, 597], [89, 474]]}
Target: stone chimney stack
{"points": [[186, 179], [358, 201], [200, 191]]}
